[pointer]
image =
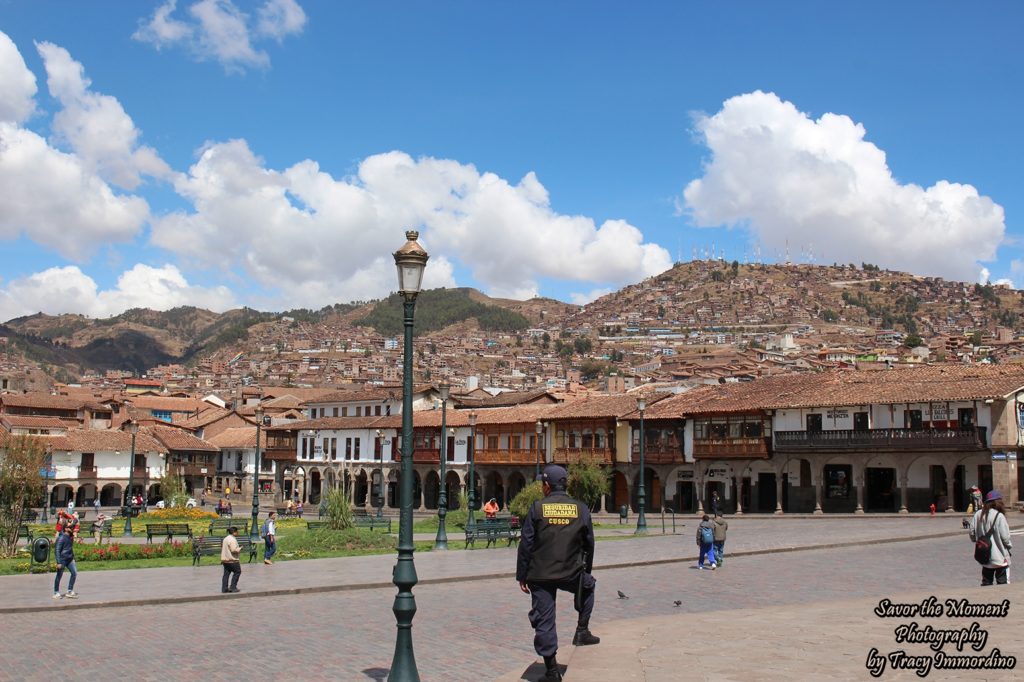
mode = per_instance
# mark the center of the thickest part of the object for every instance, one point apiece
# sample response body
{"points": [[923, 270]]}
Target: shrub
{"points": [[338, 510], [588, 481], [458, 517], [520, 504], [178, 513]]}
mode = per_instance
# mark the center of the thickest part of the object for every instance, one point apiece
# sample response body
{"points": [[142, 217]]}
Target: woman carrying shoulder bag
{"points": [[989, 523]]}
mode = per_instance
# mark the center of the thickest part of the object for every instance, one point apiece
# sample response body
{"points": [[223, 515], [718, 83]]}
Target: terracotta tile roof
{"points": [[50, 402], [597, 406], [303, 394], [380, 393], [285, 402], [204, 418], [238, 437], [509, 398], [95, 440], [178, 439], [337, 423], [840, 388], [23, 421], [146, 402]]}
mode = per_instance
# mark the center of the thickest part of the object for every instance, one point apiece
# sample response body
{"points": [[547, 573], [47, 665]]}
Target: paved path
{"points": [[776, 609]]}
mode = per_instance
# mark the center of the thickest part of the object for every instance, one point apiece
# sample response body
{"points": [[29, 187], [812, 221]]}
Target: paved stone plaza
{"points": [[769, 613]]}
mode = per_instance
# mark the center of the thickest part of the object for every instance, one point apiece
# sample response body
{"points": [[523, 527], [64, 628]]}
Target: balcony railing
{"points": [[422, 456], [87, 471], [193, 469], [896, 439], [279, 454], [658, 452], [570, 455], [731, 448], [514, 456], [140, 473]]}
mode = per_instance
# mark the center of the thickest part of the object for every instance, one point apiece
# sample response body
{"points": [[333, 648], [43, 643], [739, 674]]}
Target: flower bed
{"points": [[176, 514], [118, 552]]}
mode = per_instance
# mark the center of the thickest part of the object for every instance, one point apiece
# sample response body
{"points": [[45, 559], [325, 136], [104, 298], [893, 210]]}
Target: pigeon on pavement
{"points": [[621, 595], [677, 602]]}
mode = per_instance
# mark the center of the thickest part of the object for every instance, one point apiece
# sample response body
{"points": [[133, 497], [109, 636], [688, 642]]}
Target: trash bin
{"points": [[41, 550], [623, 513]]}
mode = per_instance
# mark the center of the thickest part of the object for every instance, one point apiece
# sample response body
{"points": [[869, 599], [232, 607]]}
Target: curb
{"points": [[318, 589]]}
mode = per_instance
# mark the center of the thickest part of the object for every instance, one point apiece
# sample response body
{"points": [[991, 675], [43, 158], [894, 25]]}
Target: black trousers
{"points": [[542, 615], [987, 574], [232, 569]]}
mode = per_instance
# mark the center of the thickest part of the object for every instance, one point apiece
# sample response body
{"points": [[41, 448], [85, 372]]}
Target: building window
{"points": [[344, 411], [912, 419], [355, 449], [376, 410], [837, 481], [515, 443], [492, 442], [348, 448], [814, 423], [335, 411], [359, 410]]}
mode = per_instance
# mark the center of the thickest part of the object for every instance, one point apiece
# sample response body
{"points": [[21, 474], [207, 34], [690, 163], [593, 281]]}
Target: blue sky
{"points": [[271, 153]]}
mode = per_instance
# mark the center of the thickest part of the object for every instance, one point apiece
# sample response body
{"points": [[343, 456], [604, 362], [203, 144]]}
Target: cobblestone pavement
{"points": [[477, 629]]}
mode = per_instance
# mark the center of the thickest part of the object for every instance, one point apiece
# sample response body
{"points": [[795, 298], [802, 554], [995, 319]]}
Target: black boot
{"points": [[551, 673], [584, 637]]}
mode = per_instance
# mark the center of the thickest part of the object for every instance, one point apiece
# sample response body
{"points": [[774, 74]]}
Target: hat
{"points": [[555, 476], [993, 496]]}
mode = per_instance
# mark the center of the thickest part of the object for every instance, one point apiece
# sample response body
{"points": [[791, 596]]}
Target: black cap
{"points": [[555, 476]]}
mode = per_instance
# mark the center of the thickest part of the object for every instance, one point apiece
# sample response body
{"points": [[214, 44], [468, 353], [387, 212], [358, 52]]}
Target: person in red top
{"points": [[491, 508]]}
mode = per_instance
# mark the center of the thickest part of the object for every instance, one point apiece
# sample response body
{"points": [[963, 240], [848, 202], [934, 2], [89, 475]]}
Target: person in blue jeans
{"points": [[65, 554], [706, 542], [721, 526], [269, 537]]}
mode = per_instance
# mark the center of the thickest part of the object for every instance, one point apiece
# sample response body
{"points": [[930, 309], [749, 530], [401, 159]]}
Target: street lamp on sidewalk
{"points": [[254, 532], [411, 261], [641, 494], [133, 428], [441, 542], [471, 495]]}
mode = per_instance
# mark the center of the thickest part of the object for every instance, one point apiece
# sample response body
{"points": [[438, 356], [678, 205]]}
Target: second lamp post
{"points": [[641, 493], [441, 542]]}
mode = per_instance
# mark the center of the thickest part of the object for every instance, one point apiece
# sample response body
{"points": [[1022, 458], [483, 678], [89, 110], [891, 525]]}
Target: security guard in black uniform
{"points": [[556, 552]]}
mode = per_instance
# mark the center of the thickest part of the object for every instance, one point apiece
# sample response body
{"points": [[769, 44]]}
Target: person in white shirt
{"points": [[229, 557], [990, 523], [269, 537]]}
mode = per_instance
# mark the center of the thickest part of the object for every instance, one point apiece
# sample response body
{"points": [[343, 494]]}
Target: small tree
{"points": [[339, 511], [172, 486], [588, 481], [520, 504], [20, 484]]}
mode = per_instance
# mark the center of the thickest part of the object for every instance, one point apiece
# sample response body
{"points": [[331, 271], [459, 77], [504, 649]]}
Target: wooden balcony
{"points": [[86, 472], [570, 455], [517, 456], [279, 454], [900, 440], [189, 469], [140, 473], [731, 448], [422, 456]]}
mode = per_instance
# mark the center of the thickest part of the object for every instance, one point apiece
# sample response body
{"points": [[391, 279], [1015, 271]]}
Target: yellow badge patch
{"points": [[559, 511]]}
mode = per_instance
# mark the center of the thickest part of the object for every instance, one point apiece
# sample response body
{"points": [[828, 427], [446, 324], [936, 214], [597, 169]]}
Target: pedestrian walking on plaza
{"points": [[706, 542], [976, 498], [269, 533], [298, 509], [721, 526], [65, 555], [989, 523], [97, 528], [230, 551], [556, 552], [96, 505], [715, 502]]}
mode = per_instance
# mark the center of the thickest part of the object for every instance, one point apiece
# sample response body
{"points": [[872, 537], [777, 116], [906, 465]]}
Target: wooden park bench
{"points": [[317, 525], [25, 532], [222, 525], [210, 545], [492, 530], [372, 522], [168, 530]]}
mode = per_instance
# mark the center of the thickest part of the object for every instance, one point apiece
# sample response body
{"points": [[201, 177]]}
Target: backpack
{"points": [[264, 528], [983, 545], [707, 536]]}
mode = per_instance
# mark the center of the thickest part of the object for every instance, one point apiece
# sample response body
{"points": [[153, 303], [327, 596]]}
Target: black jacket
{"points": [[557, 532]]}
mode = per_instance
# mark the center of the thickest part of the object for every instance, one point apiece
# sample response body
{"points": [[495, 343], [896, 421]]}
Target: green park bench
{"points": [[492, 530], [210, 545], [167, 530]]}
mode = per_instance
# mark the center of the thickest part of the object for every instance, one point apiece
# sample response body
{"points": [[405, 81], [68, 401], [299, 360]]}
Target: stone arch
{"points": [[619, 491], [316, 482], [86, 494], [516, 482], [431, 489], [111, 495], [494, 486], [796, 498], [153, 494], [652, 491], [61, 494], [454, 487], [884, 480]]}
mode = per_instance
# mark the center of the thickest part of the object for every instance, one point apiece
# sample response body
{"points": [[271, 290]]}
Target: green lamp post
{"points": [[540, 430], [471, 495], [133, 428], [441, 542], [411, 261], [254, 531], [641, 493]]}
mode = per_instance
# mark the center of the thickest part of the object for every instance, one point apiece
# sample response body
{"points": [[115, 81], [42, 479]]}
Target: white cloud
{"points": [[96, 126], [983, 276], [17, 83], [280, 18], [322, 240], [49, 197], [784, 176], [218, 30], [69, 290], [590, 296]]}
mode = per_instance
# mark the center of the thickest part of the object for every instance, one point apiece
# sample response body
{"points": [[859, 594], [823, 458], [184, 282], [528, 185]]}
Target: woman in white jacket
{"points": [[990, 522]]}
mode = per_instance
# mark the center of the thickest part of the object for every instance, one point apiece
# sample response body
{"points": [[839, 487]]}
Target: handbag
{"points": [[983, 545]]}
